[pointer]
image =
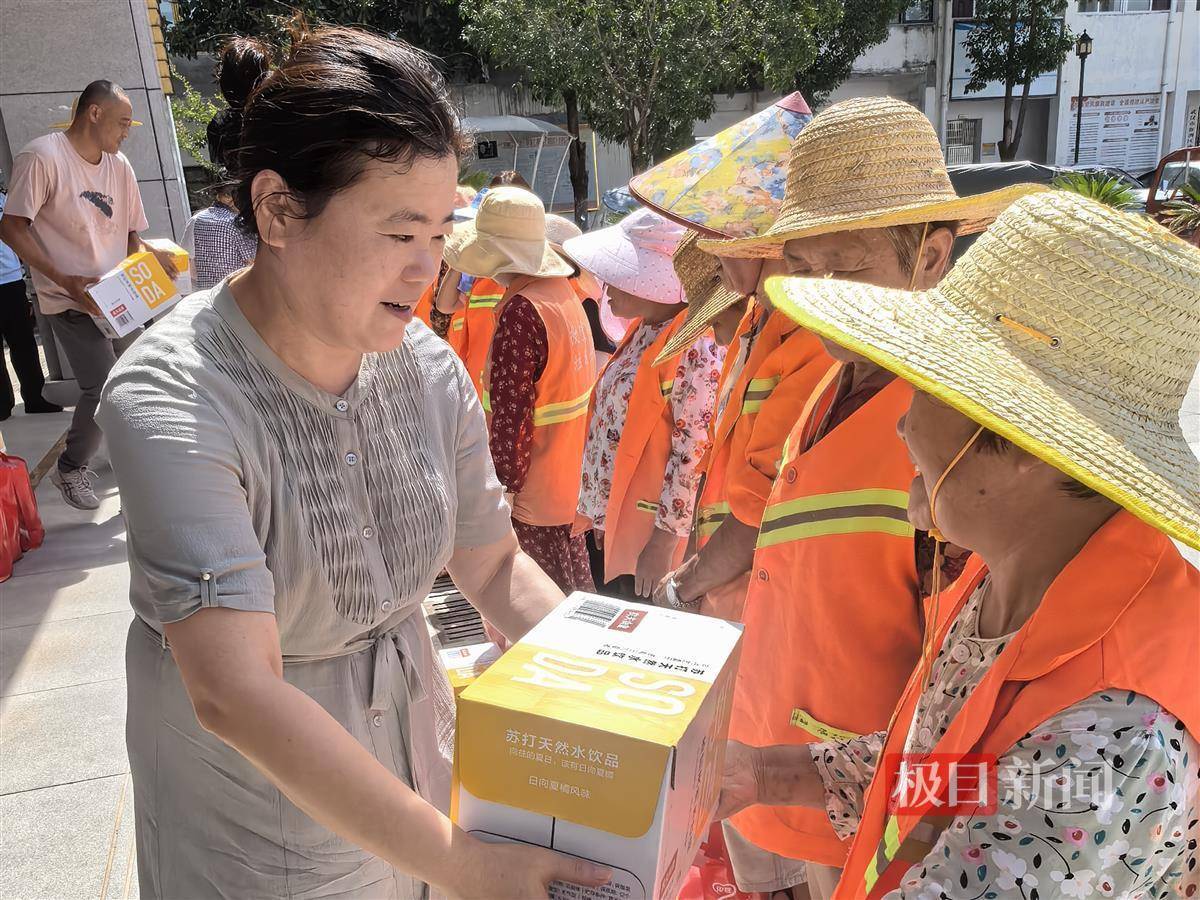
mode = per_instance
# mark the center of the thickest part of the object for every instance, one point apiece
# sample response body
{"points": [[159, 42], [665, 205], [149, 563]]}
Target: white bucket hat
{"points": [[507, 236], [634, 256]]}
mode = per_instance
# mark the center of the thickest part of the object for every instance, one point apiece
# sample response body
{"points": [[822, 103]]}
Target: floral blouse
{"points": [[1116, 818], [520, 350], [691, 400]]}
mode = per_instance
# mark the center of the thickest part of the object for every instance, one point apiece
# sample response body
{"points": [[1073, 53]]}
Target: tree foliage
{"points": [[433, 25], [192, 112], [643, 71], [1014, 42], [863, 24]]}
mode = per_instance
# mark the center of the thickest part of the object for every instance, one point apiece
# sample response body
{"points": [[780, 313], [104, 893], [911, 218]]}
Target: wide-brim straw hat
{"points": [[730, 184], [634, 256], [1069, 328], [707, 296], [869, 162], [507, 236]]}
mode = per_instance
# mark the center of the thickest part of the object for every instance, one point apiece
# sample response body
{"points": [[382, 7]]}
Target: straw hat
{"points": [[707, 296], [731, 184], [507, 236], [633, 256], [1069, 328], [870, 162]]}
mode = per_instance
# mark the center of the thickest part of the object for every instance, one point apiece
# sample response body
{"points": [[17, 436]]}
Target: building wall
{"points": [[51, 49], [1134, 53]]}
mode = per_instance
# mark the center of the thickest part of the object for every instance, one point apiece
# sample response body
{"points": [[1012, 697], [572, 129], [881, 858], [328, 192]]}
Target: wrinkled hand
{"points": [[740, 784], [165, 260], [76, 287], [654, 562], [521, 872]]}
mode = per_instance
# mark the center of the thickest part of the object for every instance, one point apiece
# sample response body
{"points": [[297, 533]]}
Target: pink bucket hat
{"points": [[633, 256]]}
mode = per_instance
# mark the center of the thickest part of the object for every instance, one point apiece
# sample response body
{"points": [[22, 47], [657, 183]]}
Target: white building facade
{"points": [[1141, 85]]}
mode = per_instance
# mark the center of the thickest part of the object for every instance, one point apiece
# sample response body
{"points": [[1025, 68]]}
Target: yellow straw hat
{"points": [[870, 162], [507, 236], [1069, 328], [707, 296]]}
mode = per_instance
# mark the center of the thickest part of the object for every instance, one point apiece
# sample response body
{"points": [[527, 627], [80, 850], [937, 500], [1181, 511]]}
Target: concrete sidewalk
{"points": [[66, 803]]}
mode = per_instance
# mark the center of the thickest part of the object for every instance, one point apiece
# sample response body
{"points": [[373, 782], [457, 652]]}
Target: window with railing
{"points": [[917, 13], [1124, 6]]}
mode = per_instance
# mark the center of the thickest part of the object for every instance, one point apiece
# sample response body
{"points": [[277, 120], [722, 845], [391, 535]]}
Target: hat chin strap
{"points": [[939, 552]]}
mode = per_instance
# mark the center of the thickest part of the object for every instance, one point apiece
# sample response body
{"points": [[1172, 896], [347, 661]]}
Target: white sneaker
{"points": [[75, 487]]}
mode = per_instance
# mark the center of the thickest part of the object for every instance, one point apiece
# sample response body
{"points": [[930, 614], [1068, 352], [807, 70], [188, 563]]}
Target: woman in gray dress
{"points": [[298, 460]]}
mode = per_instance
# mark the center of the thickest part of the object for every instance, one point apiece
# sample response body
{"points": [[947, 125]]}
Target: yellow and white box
{"points": [[131, 294], [465, 664], [179, 256], [601, 734]]}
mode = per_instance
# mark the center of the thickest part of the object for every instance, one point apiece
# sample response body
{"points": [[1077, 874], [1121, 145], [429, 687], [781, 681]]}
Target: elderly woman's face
{"points": [[984, 487], [747, 276], [866, 256], [373, 250]]}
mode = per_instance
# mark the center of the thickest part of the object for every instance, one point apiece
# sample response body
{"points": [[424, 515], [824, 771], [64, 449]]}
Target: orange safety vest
{"points": [[834, 592], [1123, 615], [562, 395], [472, 329], [783, 369], [642, 455]]}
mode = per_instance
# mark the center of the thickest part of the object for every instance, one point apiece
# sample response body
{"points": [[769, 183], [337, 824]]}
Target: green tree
{"points": [[1013, 42], [192, 112], [433, 25], [643, 71], [863, 24]]}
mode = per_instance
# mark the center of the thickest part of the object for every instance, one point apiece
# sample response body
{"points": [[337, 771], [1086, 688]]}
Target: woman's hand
{"points": [[741, 785], [655, 561], [521, 872]]}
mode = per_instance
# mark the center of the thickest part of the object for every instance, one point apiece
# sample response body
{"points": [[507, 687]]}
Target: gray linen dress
{"points": [[244, 486]]}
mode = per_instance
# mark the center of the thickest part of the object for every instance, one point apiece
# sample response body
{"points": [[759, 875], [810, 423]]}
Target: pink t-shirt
{"points": [[81, 213]]}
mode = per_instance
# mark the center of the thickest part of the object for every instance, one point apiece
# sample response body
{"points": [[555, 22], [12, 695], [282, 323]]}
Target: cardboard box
{"points": [[183, 263], [133, 293], [601, 734], [464, 664]]}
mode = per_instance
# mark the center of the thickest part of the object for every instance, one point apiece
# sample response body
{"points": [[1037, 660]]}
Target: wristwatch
{"points": [[672, 591]]}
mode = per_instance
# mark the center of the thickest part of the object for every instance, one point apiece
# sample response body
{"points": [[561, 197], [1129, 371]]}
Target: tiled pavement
{"points": [[66, 804]]}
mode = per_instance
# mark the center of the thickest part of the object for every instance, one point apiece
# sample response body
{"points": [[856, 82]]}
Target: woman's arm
{"points": [[519, 353], [1094, 801], [232, 668], [784, 775], [691, 405], [447, 299], [505, 585]]}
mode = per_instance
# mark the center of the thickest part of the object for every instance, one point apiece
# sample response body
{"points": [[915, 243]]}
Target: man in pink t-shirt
{"points": [[74, 212]]}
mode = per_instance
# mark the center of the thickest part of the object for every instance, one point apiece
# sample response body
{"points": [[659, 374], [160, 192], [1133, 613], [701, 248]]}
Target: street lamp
{"points": [[1083, 49]]}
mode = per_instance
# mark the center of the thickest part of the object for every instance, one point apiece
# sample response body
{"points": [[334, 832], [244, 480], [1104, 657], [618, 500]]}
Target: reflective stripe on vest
{"points": [[757, 391], [872, 510], [667, 387], [457, 324], [553, 413], [647, 506], [711, 517], [484, 301]]}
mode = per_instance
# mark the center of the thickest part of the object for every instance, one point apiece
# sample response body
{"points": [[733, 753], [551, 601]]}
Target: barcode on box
{"points": [[123, 320], [595, 612]]}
